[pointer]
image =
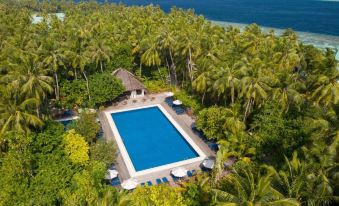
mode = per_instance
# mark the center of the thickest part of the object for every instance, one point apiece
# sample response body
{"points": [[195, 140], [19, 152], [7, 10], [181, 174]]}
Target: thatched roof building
{"points": [[130, 82]]}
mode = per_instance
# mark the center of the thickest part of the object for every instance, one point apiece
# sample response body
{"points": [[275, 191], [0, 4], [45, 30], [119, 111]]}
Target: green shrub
{"points": [[156, 86], [103, 151], [103, 88], [86, 126], [211, 121], [73, 93], [188, 101]]}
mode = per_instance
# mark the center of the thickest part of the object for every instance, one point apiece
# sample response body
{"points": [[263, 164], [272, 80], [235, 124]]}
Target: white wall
{"points": [[135, 95]]}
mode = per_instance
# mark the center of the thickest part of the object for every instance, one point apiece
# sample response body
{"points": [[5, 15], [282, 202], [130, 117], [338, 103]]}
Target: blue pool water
{"points": [[150, 138]]}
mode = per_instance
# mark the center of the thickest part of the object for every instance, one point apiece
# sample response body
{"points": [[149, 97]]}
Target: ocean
{"points": [[316, 21]]}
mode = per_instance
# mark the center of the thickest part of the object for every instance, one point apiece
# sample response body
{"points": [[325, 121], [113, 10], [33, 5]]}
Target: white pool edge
{"points": [[126, 158]]}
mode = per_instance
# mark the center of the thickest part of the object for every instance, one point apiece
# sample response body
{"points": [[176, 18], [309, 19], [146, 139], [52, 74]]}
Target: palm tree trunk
{"points": [[57, 91], [169, 71], [232, 95], [140, 67], [173, 68], [160, 74], [87, 85], [102, 71], [75, 73], [203, 97], [190, 65], [249, 102], [37, 112]]}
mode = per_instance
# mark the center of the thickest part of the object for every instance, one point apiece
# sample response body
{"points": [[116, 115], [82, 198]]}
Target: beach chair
{"points": [[213, 146], [194, 127], [175, 179], [191, 173], [115, 182], [202, 137], [165, 180], [168, 99], [149, 183], [179, 110], [158, 181]]}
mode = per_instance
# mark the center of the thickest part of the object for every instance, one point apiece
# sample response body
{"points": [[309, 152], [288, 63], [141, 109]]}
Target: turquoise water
{"points": [[317, 21], [150, 138], [313, 16]]}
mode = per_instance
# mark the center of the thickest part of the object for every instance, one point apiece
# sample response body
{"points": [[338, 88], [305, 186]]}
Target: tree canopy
{"points": [[270, 102]]}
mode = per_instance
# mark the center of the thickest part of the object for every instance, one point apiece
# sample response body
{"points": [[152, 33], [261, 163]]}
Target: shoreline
{"points": [[321, 41]]}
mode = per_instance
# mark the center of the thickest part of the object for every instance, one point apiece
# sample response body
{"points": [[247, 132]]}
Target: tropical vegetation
{"points": [[269, 101]]}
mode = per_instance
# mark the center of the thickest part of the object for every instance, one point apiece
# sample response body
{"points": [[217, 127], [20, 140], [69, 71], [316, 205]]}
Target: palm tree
{"points": [[326, 90], [254, 87], [305, 182], [253, 91], [167, 44], [202, 84], [18, 113], [29, 76], [151, 56], [232, 120], [227, 82], [287, 93], [190, 49], [55, 59], [76, 54], [109, 198], [248, 188], [99, 52]]}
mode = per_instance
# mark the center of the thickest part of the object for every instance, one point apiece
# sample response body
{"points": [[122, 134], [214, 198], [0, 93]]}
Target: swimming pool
{"points": [[150, 140]]}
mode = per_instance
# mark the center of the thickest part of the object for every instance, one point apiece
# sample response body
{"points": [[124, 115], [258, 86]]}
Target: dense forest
{"points": [[269, 101]]}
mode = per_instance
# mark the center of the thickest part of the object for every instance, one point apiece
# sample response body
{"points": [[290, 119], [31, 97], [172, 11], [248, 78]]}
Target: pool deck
{"points": [[183, 120]]}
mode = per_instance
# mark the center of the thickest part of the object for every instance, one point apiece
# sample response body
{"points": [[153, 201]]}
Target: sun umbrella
{"points": [[179, 172], [208, 163], [111, 174], [177, 102], [129, 184], [169, 94]]}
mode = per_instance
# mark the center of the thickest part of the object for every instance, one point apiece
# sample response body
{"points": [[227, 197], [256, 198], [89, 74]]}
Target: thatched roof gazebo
{"points": [[132, 85]]}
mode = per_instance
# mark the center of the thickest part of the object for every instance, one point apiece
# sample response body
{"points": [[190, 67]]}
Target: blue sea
{"points": [[314, 16], [317, 21]]}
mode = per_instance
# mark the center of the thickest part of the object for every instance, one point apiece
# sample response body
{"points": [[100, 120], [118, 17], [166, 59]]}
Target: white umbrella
{"points": [[169, 94], [111, 174], [177, 102], [129, 184], [208, 163], [179, 172]]}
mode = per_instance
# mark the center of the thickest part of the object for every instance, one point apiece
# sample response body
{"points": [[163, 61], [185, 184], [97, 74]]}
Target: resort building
{"points": [[133, 86]]}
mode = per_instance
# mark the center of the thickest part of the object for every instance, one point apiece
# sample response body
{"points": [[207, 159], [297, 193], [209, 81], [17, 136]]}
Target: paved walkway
{"points": [[183, 120]]}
